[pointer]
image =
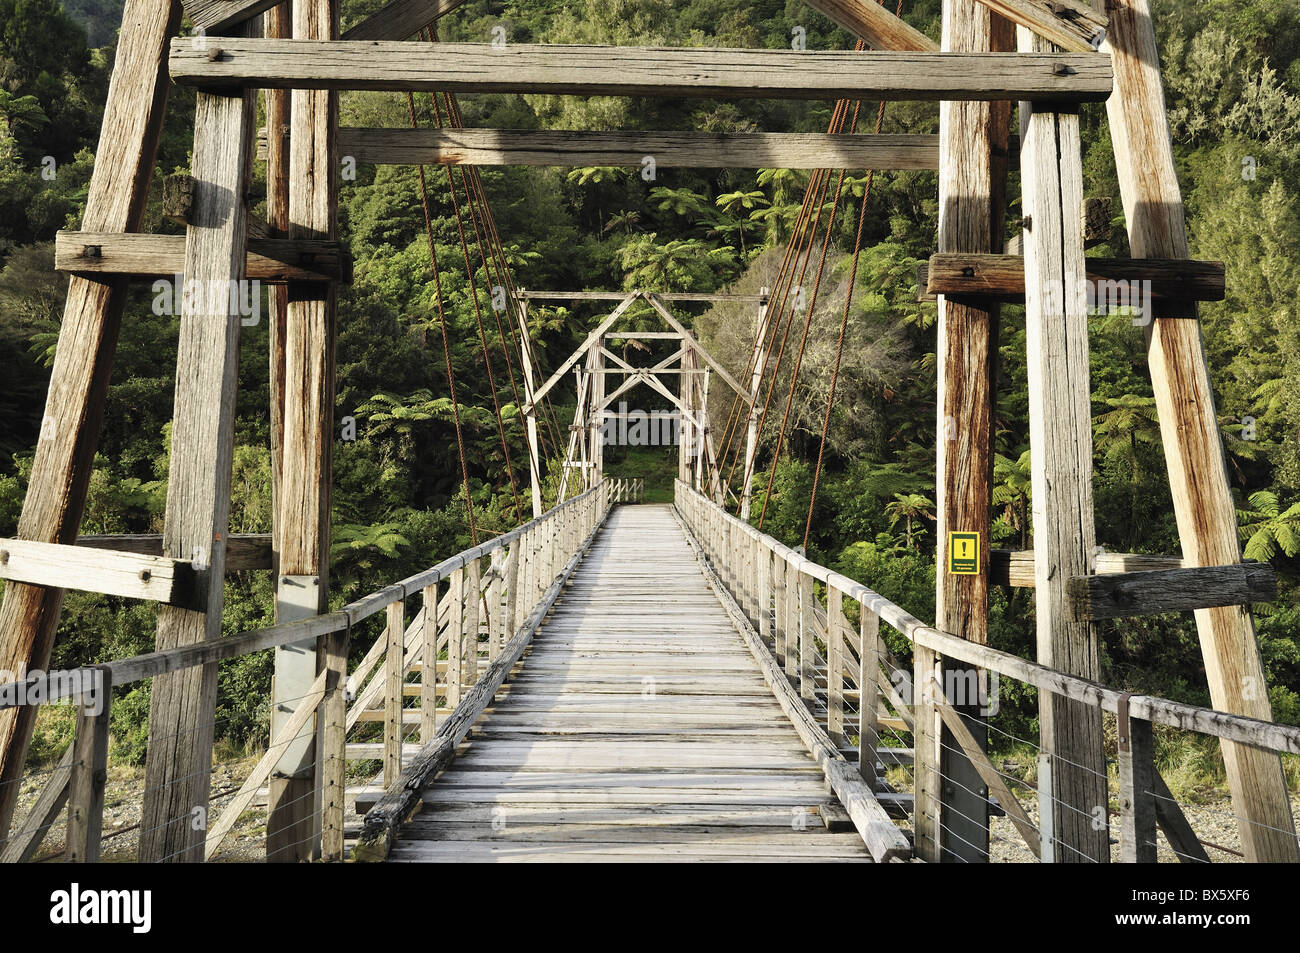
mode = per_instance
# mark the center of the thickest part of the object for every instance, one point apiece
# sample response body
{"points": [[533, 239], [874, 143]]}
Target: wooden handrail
{"points": [[1207, 721]]}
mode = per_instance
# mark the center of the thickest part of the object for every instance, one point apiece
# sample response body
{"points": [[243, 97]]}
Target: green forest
{"points": [[1232, 73]]}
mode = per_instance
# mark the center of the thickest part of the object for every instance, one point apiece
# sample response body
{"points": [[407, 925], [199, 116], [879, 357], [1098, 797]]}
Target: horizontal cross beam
{"points": [[137, 255], [641, 71], [1172, 590], [1003, 276], [620, 295], [689, 150]]}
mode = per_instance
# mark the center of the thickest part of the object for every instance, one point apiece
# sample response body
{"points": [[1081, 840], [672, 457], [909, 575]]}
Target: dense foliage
{"points": [[1233, 75]]}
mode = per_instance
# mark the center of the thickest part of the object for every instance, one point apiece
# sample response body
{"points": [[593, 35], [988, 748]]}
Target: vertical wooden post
{"points": [[1180, 380], [530, 418], [429, 664], [455, 637], [597, 417], [89, 776], [1137, 803], [807, 633], [763, 585], [1060, 433], [394, 697], [751, 424], [473, 614], [512, 591], [835, 626], [868, 695], [178, 765], [972, 188], [793, 619], [306, 468], [92, 313], [496, 621], [925, 756], [333, 744], [780, 613]]}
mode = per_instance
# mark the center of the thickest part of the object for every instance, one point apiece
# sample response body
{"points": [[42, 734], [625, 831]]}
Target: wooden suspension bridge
{"points": [[610, 681]]}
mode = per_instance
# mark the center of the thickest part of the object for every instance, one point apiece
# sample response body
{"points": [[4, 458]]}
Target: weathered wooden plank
{"points": [[1129, 594], [1003, 276], [21, 847], [400, 19], [875, 25], [1137, 808], [177, 771], [243, 550], [1060, 428], [220, 16], [138, 255], [64, 458], [1016, 567], [683, 150], [125, 574], [973, 140], [1203, 504], [89, 779], [643, 71], [1070, 24]]}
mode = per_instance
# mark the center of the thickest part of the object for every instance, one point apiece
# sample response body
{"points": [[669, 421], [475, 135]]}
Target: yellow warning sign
{"points": [[964, 554]]}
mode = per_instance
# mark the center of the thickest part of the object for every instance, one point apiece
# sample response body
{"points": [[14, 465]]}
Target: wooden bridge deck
{"points": [[639, 728]]}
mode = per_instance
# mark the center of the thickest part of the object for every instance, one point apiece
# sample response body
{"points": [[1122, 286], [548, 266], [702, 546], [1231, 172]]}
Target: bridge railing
{"points": [[626, 490], [476, 613], [797, 607]]}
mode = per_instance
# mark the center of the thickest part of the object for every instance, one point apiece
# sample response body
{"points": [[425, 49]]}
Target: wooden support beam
{"points": [[130, 575], [222, 16], [243, 550], [1169, 816], [875, 25], [683, 150], [177, 771], [74, 408], [137, 255], [696, 347], [592, 340], [952, 815], [1129, 594], [21, 846], [1060, 433], [306, 475], [401, 19], [1003, 277], [1071, 24], [1198, 479], [1137, 807], [89, 778], [1016, 567], [641, 71], [303, 712]]}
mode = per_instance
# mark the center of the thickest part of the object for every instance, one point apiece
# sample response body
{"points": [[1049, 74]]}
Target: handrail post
{"points": [[835, 626], [763, 586], [332, 744], [925, 754], [496, 623], [512, 590], [791, 618], [429, 664], [395, 675], [455, 636], [807, 633], [868, 695], [1137, 804], [89, 775], [780, 613], [473, 604]]}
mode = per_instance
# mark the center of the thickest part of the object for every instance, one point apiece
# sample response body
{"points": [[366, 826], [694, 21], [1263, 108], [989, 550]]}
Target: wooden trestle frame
{"points": [[1066, 53]]}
